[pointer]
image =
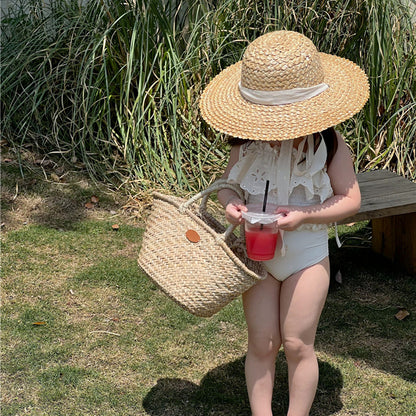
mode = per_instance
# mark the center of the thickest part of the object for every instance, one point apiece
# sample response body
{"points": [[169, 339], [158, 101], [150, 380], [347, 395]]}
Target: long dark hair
{"points": [[331, 141], [329, 136]]}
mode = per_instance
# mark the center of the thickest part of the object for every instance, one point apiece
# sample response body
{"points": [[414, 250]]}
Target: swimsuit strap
{"points": [[283, 175], [283, 179], [309, 155]]}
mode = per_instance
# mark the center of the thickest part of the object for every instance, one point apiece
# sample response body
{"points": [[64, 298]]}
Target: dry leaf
{"points": [[39, 323], [89, 205], [115, 227], [338, 277], [55, 177], [403, 313], [94, 199]]}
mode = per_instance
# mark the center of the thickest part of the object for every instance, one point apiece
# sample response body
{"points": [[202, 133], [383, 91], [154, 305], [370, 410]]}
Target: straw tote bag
{"points": [[192, 257]]}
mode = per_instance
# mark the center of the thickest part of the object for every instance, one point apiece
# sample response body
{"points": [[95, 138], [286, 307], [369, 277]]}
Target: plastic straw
{"points": [[266, 191]]}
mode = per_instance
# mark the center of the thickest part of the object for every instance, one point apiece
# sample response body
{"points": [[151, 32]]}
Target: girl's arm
{"points": [[345, 202], [228, 198]]}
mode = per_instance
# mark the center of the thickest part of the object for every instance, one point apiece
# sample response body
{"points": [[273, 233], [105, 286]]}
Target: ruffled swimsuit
{"points": [[296, 177]]}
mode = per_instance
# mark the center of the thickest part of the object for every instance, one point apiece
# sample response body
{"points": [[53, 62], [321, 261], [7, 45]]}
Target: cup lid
{"points": [[256, 215]]}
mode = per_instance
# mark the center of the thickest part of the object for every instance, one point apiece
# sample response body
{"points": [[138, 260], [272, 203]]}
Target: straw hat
{"points": [[283, 89]]}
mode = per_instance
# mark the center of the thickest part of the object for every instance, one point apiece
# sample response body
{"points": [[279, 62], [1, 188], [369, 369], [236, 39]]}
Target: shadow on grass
{"points": [[359, 319], [40, 197], [223, 392]]}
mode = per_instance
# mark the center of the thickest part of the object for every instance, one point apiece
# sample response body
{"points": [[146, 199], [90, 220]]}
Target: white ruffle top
{"points": [[296, 176]]}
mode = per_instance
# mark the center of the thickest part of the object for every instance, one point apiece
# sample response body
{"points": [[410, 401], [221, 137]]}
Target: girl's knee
{"points": [[264, 346], [296, 349]]}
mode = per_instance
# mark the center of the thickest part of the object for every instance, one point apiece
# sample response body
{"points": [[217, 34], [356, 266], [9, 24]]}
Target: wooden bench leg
{"points": [[395, 238]]}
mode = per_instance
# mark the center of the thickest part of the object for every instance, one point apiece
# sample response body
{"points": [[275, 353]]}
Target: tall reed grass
{"points": [[115, 86]]}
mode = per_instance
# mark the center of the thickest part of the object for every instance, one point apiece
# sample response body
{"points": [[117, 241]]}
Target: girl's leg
{"points": [[261, 307], [302, 298]]}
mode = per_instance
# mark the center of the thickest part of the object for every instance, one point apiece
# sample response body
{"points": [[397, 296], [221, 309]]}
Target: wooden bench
{"points": [[389, 201]]}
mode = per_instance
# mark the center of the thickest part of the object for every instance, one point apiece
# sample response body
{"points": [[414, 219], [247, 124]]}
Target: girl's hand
{"points": [[233, 211], [293, 217]]}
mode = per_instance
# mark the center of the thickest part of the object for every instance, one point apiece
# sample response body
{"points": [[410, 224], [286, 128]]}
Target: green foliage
{"points": [[115, 85]]}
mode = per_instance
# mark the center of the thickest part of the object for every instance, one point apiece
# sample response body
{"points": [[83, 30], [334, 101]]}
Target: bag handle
{"points": [[204, 194]]}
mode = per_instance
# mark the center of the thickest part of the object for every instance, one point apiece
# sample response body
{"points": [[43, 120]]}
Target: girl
{"points": [[279, 104]]}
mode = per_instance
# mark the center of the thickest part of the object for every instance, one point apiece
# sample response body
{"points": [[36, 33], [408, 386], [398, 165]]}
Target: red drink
{"points": [[262, 230], [261, 243]]}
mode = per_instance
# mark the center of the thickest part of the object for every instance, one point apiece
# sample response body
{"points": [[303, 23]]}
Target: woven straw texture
{"points": [[201, 277], [284, 60]]}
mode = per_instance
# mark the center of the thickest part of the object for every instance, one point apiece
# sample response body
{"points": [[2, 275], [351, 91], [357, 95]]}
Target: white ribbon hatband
{"points": [[281, 97]]}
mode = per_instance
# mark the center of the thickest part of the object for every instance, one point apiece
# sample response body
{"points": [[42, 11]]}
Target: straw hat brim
{"points": [[223, 107]]}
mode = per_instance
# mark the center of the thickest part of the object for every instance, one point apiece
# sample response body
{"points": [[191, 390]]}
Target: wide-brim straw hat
{"points": [[274, 69]]}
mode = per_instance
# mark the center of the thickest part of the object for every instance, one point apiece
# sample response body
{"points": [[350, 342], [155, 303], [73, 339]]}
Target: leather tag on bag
{"points": [[193, 236]]}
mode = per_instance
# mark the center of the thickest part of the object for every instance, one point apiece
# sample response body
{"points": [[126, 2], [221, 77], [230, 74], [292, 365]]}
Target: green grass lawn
{"points": [[84, 332]]}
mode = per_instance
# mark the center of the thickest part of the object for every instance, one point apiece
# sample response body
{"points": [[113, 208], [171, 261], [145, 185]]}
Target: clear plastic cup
{"points": [[262, 232]]}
